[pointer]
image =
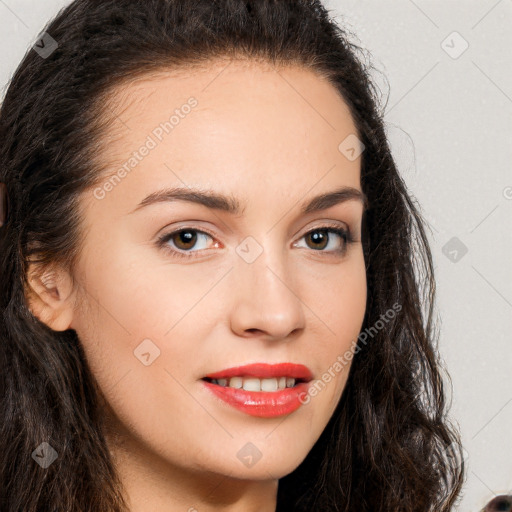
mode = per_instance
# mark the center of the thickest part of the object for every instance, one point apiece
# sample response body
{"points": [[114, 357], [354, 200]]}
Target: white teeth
{"points": [[252, 384], [236, 382], [255, 384], [268, 384]]}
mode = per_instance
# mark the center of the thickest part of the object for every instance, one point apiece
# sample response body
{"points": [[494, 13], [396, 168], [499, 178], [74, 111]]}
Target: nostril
{"points": [[499, 504]]}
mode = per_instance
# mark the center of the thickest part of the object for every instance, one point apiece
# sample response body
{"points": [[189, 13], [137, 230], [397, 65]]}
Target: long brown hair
{"points": [[389, 445]]}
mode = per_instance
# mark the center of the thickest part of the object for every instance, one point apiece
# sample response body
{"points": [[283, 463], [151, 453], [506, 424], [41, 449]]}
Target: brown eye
{"points": [[184, 242], [183, 239], [319, 238], [335, 239]]}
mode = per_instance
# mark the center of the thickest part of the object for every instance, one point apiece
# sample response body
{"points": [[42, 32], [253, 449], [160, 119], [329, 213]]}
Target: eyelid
{"points": [[326, 224], [163, 239], [192, 225], [322, 224]]}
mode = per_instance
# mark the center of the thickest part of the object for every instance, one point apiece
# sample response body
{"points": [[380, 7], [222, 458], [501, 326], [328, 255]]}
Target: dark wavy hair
{"points": [[389, 445]]}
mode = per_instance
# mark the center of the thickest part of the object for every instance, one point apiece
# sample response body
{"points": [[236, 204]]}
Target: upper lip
{"points": [[264, 370]]}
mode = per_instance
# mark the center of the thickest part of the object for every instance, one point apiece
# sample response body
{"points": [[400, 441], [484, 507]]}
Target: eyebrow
{"points": [[230, 204]]}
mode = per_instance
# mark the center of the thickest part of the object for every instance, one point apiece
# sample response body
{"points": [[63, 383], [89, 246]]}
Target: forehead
{"points": [[249, 120], [228, 91]]}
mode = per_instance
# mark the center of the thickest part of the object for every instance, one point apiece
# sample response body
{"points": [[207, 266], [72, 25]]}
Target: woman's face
{"points": [[264, 284]]}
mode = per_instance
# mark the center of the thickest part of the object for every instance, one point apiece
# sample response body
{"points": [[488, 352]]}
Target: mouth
{"points": [[256, 383], [263, 390], [261, 377]]}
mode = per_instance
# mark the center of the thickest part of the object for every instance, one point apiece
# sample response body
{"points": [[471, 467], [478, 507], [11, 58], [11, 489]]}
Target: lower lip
{"points": [[265, 404]]}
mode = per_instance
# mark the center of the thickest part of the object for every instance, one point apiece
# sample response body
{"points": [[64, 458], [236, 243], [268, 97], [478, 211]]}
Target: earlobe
{"points": [[49, 297]]}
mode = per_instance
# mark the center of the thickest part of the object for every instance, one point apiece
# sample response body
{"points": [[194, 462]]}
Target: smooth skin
{"points": [[268, 137]]}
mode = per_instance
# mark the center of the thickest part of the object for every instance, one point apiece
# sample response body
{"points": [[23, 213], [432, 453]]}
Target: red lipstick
{"points": [[266, 404], [265, 371]]}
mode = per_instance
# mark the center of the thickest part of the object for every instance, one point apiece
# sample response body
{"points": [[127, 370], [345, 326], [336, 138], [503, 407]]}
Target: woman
{"points": [[217, 291]]}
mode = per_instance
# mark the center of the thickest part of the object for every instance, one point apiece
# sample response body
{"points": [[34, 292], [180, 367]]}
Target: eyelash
{"points": [[345, 234]]}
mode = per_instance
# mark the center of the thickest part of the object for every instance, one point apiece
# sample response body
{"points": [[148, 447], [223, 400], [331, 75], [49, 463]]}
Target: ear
{"points": [[50, 296]]}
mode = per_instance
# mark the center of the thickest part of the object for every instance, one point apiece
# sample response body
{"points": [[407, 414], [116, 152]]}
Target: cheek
{"points": [[134, 295], [145, 317], [338, 299], [138, 336], [340, 306]]}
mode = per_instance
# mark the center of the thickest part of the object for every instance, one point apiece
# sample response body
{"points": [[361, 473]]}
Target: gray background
{"points": [[449, 120]]}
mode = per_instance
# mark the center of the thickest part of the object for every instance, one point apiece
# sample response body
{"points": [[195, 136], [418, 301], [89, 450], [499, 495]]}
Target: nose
{"points": [[266, 301]]}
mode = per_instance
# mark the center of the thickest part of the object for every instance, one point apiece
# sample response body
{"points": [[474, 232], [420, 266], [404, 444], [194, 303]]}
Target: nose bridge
{"points": [[265, 294]]}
